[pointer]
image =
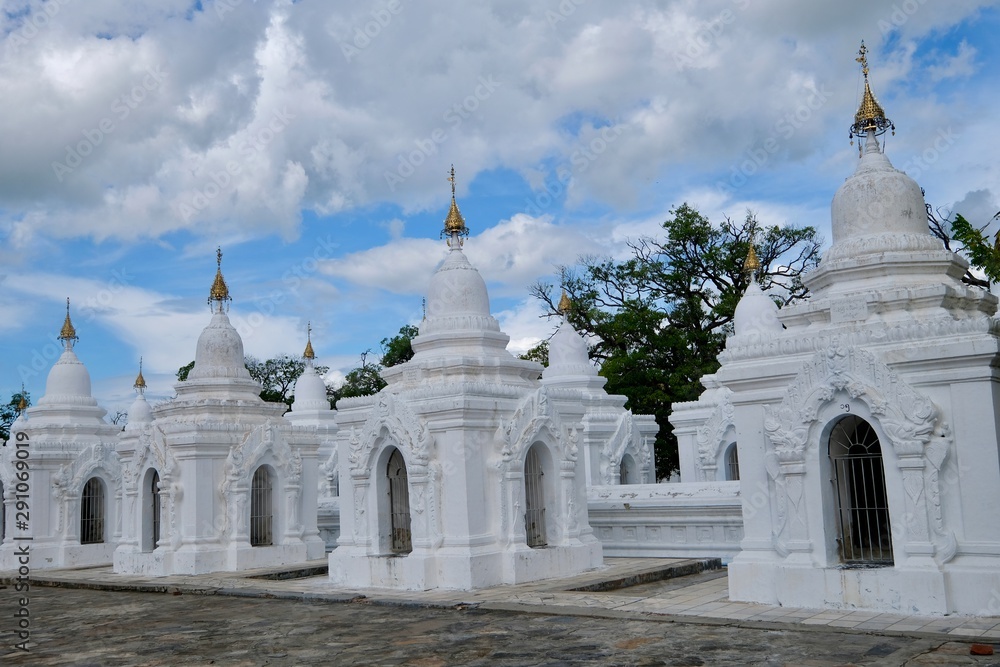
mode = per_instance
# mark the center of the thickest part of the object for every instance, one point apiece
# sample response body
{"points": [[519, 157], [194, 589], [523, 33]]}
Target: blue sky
{"points": [[312, 142]]}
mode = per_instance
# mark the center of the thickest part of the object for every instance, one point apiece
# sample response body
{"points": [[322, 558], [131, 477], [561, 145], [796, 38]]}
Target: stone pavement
{"points": [[216, 619]]}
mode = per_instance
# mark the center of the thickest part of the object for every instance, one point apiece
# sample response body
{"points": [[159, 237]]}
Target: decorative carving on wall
{"points": [[910, 421], [68, 481], [627, 439], [391, 417], [711, 437]]}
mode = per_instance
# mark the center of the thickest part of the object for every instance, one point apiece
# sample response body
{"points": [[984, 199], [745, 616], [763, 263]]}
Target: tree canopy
{"points": [[973, 242], [9, 412], [276, 376], [366, 379], [658, 319]]}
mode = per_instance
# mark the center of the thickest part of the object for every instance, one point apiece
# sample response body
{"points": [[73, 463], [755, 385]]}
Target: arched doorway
{"points": [[261, 508], [92, 512], [732, 463], [534, 497], [401, 541], [862, 510], [627, 474], [151, 510]]}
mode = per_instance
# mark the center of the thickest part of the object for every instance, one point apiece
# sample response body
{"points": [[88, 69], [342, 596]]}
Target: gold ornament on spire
{"points": [[309, 354], [751, 264], [870, 116], [22, 404], [220, 291], [565, 305], [68, 332], [140, 382], [454, 224]]}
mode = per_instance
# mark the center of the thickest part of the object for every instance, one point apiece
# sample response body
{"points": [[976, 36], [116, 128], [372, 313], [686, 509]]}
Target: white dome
{"points": [[878, 209], [756, 313], [220, 351], [139, 413], [310, 391], [568, 354], [68, 378], [457, 299]]}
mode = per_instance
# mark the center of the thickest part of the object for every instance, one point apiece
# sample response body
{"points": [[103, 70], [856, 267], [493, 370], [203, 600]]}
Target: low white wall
{"points": [[686, 520]]}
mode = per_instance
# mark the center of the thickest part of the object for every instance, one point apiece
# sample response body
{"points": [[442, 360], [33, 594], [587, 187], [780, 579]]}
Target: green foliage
{"points": [[397, 350], [976, 245], [276, 376], [659, 318], [9, 412], [539, 353], [184, 371], [366, 379]]}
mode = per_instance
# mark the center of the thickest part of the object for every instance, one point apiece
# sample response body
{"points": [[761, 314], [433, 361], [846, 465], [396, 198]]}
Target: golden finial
{"points": [[220, 291], [751, 264], [454, 224], [309, 354], [22, 403], [140, 382], [870, 116], [565, 305], [68, 332]]}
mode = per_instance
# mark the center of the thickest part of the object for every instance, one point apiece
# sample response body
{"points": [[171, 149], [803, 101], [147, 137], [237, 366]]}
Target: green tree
{"points": [[10, 411], [659, 318], [276, 376], [366, 379], [539, 353], [974, 244]]}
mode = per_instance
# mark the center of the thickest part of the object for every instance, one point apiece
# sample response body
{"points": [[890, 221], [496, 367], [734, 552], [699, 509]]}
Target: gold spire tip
{"points": [[751, 264], [308, 353], [140, 382], [565, 305], [454, 224], [870, 116], [68, 331], [22, 403], [220, 291]]}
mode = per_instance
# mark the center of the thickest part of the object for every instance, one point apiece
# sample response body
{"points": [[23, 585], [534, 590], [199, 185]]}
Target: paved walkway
{"points": [[695, 606]]}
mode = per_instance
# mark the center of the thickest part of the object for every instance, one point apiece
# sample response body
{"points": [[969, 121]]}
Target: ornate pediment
{"points": [[391, 417]]}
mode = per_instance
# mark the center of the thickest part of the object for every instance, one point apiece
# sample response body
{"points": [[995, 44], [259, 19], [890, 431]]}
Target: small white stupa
{"points": [[218, 480], [73, 485], [461, 473], [617, 445]]}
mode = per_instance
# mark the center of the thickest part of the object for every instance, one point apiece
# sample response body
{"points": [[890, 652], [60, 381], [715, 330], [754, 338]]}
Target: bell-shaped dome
{"points": [[68, 378], [568, 354], [756, 313], [457, 299], [220, 351], [310, 391], [139, 413], [878, 209]]}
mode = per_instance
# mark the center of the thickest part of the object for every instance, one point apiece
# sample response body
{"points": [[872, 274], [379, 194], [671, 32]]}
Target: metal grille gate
{"points": [[154, 495], [863, 530], [92, 512], [534, 494], [399, 504], [261, 512], [732, 463]]}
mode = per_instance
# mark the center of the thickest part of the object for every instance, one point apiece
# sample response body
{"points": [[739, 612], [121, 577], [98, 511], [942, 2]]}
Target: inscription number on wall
{"points": [[846, 407]]}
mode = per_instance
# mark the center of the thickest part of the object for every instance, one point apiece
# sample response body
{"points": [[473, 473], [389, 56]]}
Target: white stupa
{"points": [[218, 480], [461, 473], [74, 488], [869, 428]]}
